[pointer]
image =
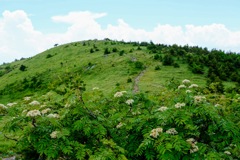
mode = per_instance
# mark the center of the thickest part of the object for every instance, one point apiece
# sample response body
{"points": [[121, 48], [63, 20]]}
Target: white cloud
{"points": [[20, 39]]}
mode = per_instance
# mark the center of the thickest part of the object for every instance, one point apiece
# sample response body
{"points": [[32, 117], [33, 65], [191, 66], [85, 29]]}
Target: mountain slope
{"points": [[104, 64]]}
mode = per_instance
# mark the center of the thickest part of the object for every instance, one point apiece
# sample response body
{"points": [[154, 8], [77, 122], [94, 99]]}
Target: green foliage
{"points": [[168, 60], [179, 123], [91, 50], [106, 51], [49, 56], [139, 65], [121, 53], [22, 68], [158, 67], [114, 49], [129, 80], [176, 65]]}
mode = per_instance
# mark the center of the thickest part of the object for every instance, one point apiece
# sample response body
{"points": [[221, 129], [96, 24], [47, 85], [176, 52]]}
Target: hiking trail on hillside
{"points": [[136, 81]]}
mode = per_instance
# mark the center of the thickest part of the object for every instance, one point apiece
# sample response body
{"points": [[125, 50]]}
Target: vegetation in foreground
{"points": [[71, 123]]}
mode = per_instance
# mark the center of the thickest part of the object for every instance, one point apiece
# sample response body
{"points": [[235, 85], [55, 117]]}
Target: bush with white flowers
{"points": [[83, 124]]}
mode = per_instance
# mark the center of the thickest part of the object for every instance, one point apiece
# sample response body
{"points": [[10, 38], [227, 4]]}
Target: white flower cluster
{"points": [[45, 110], [217, 105], [119, 94], [27, 98], [162, 109], [186, 81], [43, 106], [193, 86], [155, 132], [179, 105], [120, 125], [53, 115], [2, 106], [188, 91], [227, 152], [11, 104], [130, 101], [34, 103], [136, 113], [171, 131], [199, 99], [182, 86], [54, 134], [192, 142], [33, 113]]}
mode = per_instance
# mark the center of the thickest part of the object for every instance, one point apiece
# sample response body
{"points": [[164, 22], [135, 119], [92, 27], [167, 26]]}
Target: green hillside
{"points": [[97, 69], [83, 84]]}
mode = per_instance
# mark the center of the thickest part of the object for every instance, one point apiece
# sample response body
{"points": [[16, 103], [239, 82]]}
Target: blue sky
{"points": [[28, 27]]}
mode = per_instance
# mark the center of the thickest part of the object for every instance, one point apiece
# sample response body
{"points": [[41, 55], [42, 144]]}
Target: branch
{"points": [[13, 139], [89, 111], [33, 122]]}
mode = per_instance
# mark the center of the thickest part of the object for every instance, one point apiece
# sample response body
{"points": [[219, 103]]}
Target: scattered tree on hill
{"points": [[22, 68], [168, 60], [106, 51]]}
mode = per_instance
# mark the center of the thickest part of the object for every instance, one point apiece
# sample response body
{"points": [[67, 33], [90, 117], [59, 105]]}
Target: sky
{"points": [[29, 27]]}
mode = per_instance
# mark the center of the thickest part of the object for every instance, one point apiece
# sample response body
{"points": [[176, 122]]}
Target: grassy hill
{"points": [[97, 69]]}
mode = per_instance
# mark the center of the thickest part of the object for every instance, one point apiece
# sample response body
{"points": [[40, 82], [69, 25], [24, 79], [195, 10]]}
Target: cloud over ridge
{"points": [[21, 39]]}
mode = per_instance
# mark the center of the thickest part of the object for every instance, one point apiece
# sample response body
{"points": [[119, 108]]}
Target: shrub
{"points": [[49, 56], [114, 49], [168, 60], [157, 67], [157, 56], [84, 124], [22, 68], [106, 51], [176, 65], [129, 80], [121, 53], [91, 50], [139, 65]]}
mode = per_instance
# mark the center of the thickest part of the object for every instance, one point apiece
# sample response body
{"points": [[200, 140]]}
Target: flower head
{"points": [[194, 149], [118, 94], [162, 109], [53, 115], [120, 125], [186, 81], [33, 113], [11, 104], [45, 111], [171, 131], [188, 91], [2, 106], [26, 98], [34, 103], [181, 86], [199, 99], [54, 134], [179, 105], [227, 152], [192, 142], [193, 86], [155, 132], [130, 101]]}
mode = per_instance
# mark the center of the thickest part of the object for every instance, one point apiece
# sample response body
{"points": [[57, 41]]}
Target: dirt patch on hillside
{"points": [[136, 81]]}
